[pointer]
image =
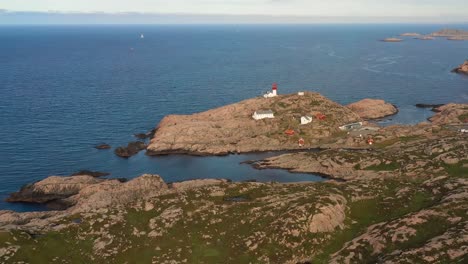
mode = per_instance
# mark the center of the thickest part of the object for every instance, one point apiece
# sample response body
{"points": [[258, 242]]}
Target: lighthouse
{"points": [[273, 93], [274, 89]]}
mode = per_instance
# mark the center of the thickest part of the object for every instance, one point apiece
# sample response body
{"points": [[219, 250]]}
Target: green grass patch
{"points": [[409, 138], [457, 170], [384, 167]]}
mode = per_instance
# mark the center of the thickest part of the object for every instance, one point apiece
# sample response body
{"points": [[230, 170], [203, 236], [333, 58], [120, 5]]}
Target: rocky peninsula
{"points": [[231, 128], [462, 68], [401, 200]]}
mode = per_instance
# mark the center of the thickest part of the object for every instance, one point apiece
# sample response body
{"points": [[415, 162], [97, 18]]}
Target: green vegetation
{"points": [[457, 170], [384, 167], [463, 117]]}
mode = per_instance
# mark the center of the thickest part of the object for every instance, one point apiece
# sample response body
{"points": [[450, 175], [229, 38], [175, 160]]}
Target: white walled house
{"points": [[300, 93], [306, 120], [262, 114]]}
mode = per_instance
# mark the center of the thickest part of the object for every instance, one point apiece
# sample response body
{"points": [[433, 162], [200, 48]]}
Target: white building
{"points": [[273, 93], [306, 120], [262, 114], [300, 93]]}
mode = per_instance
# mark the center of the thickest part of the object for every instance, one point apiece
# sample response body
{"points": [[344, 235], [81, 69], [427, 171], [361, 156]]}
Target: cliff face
{"points": [[231, 128], [462, 68]]}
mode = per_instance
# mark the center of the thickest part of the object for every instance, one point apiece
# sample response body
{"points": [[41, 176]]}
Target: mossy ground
{"points": [[218, 236]]}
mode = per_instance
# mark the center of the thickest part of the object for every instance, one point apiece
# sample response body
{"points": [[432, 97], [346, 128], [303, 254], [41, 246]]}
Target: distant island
{"points": [[410, 35], [450, 34], [392, 40]]}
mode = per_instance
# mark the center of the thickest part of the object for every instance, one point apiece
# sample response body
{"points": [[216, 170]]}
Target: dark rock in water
{"points": [[102, 146], [428, 105], [141, 136], [146, 135], [432, 106], [91, 173], [131, 149]]}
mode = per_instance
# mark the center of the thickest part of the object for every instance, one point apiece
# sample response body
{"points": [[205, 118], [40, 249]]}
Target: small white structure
{"points": [[262, 114], [273, 93], [351, 126], [306, 120], [463, 130], [300, 93]]}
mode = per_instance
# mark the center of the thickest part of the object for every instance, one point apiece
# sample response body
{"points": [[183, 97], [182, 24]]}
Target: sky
{"points": [[302, 10]]}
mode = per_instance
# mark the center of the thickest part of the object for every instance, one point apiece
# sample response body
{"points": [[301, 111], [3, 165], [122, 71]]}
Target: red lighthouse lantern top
{"points": [[274, 87]]}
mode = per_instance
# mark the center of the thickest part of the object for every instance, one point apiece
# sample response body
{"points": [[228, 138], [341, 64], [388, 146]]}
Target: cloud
{"points": [[62, 17]]}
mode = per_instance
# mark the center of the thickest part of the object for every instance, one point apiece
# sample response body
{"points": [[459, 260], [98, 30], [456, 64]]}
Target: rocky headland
{"points": [[373, 108], [402, 199], [231, 128], [462, 68]]}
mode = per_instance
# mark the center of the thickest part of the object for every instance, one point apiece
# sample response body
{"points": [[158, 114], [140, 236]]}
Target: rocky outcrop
{"points": [[231, 128], [373, 108], [331, 216], [84, 191], [131, 149], [462, 68], [450, 114], [146, 135], [102, 146], [113, 192], [52, 188]]}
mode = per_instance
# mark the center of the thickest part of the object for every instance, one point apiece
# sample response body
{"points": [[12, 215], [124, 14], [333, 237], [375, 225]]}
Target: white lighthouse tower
{"points": [[273, 93]]}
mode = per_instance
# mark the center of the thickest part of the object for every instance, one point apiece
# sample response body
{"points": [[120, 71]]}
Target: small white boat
{"points": [[142, 36]]}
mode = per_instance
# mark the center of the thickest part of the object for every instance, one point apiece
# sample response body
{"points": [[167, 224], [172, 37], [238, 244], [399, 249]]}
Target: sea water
{"points": [[64, 89]]}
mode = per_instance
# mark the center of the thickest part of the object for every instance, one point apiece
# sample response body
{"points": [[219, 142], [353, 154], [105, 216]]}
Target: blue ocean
{"points": [[64, 89]]}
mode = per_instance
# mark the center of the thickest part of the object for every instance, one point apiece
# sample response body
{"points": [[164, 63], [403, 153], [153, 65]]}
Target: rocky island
{"points": [[402, 199], [451, 34], [392, 40]]}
